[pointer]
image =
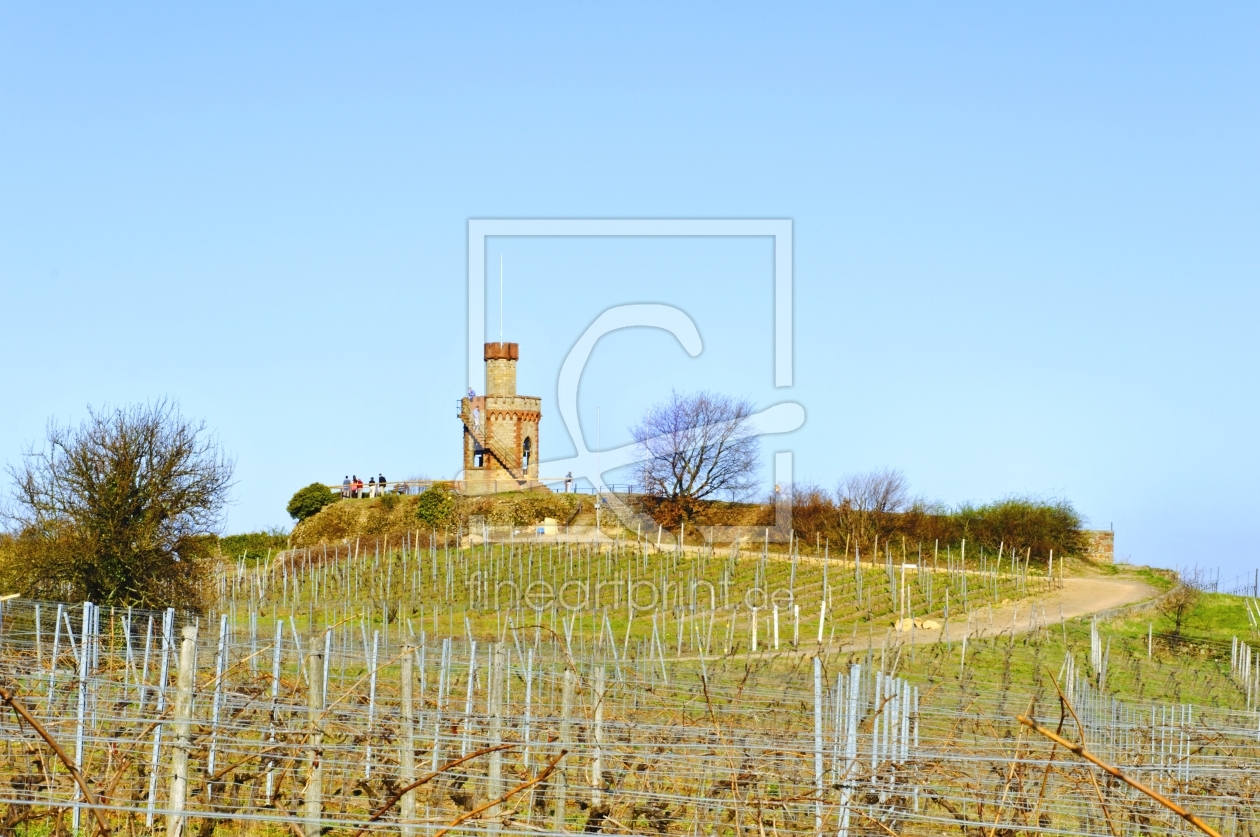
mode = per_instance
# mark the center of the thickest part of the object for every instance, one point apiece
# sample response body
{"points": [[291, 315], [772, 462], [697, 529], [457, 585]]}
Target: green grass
{"points": [[1161, 580], [1218, 616], [1194, 669]]}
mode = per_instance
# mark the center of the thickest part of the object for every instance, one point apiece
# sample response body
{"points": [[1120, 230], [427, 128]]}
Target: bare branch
{"points": [[523, 786], [1116, 772], [425, 779], [9, 698]]}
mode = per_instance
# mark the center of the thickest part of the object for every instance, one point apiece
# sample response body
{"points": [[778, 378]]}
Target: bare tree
{"points": [[875, 492], [698, 447], [1179, 603], [120, 510], [867, 502]]}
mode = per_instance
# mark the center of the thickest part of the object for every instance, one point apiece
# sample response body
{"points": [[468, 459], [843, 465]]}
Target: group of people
{"points": [[353, 488]]}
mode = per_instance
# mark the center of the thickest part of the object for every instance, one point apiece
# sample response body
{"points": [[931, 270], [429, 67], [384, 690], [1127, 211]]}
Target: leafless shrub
{"points": [[883, 491], [1177, 606], [814, 514], [869, 502]]}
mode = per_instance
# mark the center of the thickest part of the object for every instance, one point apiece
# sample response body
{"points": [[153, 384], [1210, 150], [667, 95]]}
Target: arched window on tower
{"points": [[528, 448]]}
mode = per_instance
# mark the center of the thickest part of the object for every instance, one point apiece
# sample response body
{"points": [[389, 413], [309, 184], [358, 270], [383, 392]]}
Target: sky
{"points": [[1024, 241]]}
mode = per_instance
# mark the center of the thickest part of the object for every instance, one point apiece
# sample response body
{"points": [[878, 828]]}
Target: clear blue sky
{"points": [[1026, 244]]}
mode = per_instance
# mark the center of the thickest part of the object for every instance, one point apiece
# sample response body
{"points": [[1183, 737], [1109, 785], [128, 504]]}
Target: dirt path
{"points": [[1078, 597]]}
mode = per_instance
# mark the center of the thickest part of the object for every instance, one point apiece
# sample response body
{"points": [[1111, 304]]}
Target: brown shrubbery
{"points": [[523, 509], [669, 512], [869, 511], [355, 518]]}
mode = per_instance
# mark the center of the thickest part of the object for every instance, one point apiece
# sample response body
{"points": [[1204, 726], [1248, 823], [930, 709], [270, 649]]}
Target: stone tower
{"points": [[500, 429]]}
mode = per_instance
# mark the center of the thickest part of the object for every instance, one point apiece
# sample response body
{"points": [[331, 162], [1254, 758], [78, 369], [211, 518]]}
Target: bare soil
{"points": [[1078, 597]]}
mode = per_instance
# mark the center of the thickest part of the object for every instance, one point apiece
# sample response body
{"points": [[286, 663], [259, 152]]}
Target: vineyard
{"points": [[424, 687]]}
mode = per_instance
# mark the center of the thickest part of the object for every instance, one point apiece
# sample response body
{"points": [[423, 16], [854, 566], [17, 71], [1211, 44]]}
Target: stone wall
{"points": [[1100, 546], [501, 377]]}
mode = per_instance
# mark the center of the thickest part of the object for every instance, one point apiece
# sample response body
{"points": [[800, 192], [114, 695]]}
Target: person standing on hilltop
{"points": [[372, 487], [345, 488], [380, 484], [356, 485]]}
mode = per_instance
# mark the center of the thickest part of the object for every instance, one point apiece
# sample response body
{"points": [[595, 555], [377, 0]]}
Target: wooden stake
{"points": [[313, 794], [182, 729], [494, 775], [566, 741], [597, 758], [407, 741]]}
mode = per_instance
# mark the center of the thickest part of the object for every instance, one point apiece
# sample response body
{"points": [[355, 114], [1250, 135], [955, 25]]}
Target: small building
{"points": [[500, 429]]}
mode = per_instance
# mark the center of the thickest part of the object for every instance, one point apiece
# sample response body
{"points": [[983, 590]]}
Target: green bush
{"points": [[1022, 523], [310, 500], [436, 506], [253, 546]]}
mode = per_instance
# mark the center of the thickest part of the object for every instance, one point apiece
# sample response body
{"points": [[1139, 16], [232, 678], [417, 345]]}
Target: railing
{"points": [[395, 487], [405, 487], [558, 484]]}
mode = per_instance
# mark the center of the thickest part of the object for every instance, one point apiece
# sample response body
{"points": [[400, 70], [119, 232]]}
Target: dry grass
{"points": [[396, 515]]}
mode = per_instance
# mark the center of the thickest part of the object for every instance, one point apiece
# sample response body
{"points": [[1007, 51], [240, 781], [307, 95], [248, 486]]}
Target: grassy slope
{"points": [[1194, 668]]}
